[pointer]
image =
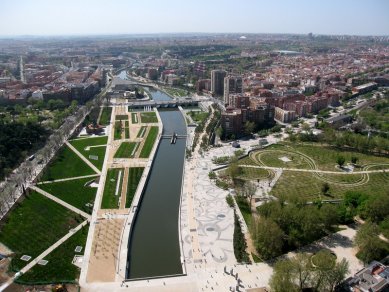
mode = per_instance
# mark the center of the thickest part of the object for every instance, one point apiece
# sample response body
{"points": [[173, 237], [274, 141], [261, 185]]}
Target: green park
{"points": [[149, 142]]}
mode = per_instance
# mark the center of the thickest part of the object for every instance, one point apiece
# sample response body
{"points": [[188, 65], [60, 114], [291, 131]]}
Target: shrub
{"points": [[230, 201], [212, 175]]}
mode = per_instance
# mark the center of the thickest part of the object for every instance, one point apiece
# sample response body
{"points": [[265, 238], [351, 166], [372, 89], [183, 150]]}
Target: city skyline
{"points": [[45, 18]]}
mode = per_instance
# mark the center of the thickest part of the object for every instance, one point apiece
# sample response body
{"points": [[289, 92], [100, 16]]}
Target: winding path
{"points": [[364, 174]]}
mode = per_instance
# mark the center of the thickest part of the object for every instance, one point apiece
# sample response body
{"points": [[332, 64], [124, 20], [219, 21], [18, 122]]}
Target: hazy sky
{"points": [[75, 17]]}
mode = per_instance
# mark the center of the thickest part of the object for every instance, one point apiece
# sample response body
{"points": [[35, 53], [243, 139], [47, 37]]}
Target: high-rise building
{"points": [[233, 119], [232, 85], [217, 82]]}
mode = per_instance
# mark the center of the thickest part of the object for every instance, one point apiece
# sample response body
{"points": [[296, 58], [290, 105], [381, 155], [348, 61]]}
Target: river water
{"points": [[154, 249]]}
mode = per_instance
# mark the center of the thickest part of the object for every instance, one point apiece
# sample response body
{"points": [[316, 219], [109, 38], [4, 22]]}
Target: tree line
{"points": [[345, 140], [11, 189], [17, 141]]}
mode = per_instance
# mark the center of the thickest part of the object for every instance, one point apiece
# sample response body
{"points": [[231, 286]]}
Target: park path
{"points": [[316, 170], [44, 254], [142, 142], [94, 146], [124, 189], [86, 137], [197, 255], [99, 117], [59, 201], [66, 179], [83, 157]]}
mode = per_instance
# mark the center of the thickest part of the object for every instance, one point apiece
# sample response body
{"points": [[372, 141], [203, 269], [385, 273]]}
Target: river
{"points": [[154, 249]]}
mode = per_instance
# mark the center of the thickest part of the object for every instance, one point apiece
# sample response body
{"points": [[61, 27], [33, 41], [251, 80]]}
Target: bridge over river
{"points": [[163, 103]]}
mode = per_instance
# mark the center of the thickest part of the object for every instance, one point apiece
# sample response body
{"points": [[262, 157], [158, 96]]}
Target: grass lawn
{"points": [[149, 142], [105, 117], [126, 149], [308, 186], [134, 118], [127, 130], [134, 176], [198, 116], [254, 173], [36, 224], [273, 158], [110, 201], [175, 91], [73, 192], [117, 135], [148, 117], [121, 117], [247, 161], [325, 157], [59, 268], [66, 164], [81, 144], [141, 132]]}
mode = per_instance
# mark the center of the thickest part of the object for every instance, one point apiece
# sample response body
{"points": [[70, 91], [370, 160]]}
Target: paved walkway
{"points": [[340, 243], [30, 265], [59, 201], [66, 179], [90, 164]]}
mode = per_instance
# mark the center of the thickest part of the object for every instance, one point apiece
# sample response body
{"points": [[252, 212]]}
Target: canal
{"points": [[154, 249]]}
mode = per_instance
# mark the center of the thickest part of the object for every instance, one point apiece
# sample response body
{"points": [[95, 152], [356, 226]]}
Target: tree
{"points": [[249, 191], [268, 238], [219, 132], [234, 170], [306, 128], [310, 225], [354, 160], [283, 277], [340, 160], [323, 261], [329, 216], [249, 128], [240, 244], [376, 208], [298, 273], [369, 245], [336, 275], [325, 188], [302, 268]]}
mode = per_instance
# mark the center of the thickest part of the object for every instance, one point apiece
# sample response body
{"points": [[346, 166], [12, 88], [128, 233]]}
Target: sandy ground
{"points": [[103, 260]]}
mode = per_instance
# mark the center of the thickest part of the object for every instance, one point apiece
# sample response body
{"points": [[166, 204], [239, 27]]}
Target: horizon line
{"points": [[183, 33]]}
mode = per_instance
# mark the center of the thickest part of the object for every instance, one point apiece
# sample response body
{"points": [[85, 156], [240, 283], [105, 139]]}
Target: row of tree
{"points": [[240, 244], [345, 140], [17, 141], [15, 185]]}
